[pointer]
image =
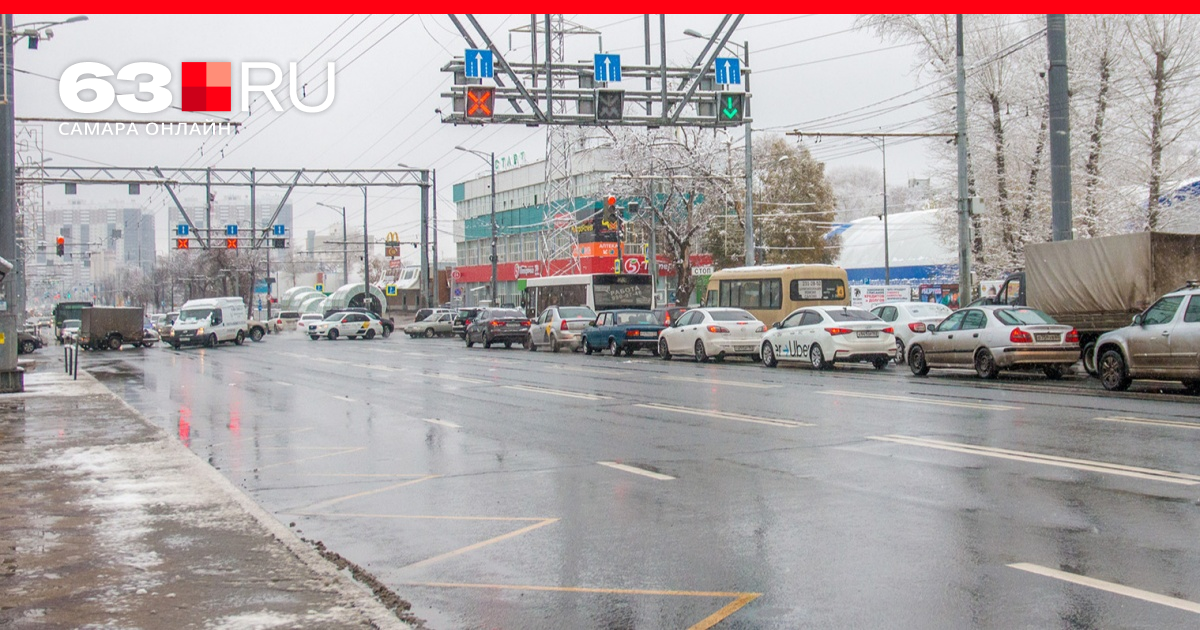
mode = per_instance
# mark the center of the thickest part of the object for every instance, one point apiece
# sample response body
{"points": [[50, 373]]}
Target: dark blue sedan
{"points": [[624, 330]]}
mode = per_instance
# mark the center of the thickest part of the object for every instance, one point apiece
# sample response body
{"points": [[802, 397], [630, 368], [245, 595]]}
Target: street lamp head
{"points": [[461, 148], [77, 18], [691, 32]]}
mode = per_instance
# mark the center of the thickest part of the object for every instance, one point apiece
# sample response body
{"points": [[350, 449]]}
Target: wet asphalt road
{"points": [[469, 481]]}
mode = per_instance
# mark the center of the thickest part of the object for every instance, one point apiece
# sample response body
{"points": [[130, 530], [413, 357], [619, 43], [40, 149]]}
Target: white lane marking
{"points": [[344, 398], [556, 392], [637, 471], [922, 400], [726, 415], [442, 422], [711, 381], [453, 377], [1049, 460], [284, 383], [585, 370], [1119, 589], [1151, 421]]}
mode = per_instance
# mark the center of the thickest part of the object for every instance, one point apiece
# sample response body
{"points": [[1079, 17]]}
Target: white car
{"points": [[349, 324], [712, 332], [824, 335], [70, 330], [307, 320], [910, 319]]}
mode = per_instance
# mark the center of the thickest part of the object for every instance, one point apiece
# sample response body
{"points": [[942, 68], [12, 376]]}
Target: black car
{"points": [[387, 323], [462, 319], [498, 325], [27, 342]]}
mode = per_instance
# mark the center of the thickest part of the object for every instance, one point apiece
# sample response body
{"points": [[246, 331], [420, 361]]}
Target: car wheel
{"points": [[213, 342], [553, 343], [985, 364], [147, 344], [429, 333], [1054, 372], [613, 349], [370, 333], [629, 351], [26, 347], [387, 332], [700, 352], [880, 362], [114, 343], [487, 343], [768, 355], [916, 361], [664, 351], [528, 343], [1192, 385], [175, 346], [1114, 375], [1089, 359], [240, 338], [313, 337], [899, 352], [470, 342], [256, 334], [333, 334], [817, 357], [587, 347], [507, 344]]}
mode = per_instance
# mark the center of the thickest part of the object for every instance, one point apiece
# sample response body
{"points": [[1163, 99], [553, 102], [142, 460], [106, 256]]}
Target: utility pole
{"points": [[12, 378], [425, 237], [749, 168], [964, 209], [1060, 129], [367, 259], [435, 283]]}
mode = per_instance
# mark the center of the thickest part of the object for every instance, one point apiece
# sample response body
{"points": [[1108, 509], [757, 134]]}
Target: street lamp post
{"points": [[491, 160], [749, 228], [366, 259], [345, 244]]}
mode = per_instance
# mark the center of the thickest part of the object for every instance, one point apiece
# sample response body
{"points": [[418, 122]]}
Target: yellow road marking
{"points": [[329, 502], [726, 415], [637, 471], [923, 401], [556, 392], [481, 544], [1151, 421], [712, 381], [1049, 460], [1119, 589], [741, 598], [307, 459]]}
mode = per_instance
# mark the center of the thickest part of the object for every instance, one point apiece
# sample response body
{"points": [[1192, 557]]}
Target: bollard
{"points": [[67, 358], [75, 375]]}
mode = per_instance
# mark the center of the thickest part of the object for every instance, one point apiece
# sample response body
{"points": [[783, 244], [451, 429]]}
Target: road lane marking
{"points": [[365, 493], [1049, 460], [1151, 421], [556, 392], [713, 381], [442, 422], [284, 383], [725, 611], [573, 368], [345, 398], [726, 415], [1119, 589], [452, 377], [306, 459], [483, 543], [637, 471], [922, 400]]}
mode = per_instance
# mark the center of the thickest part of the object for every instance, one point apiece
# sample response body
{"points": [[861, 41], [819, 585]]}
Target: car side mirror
{"points": [[591, 324], [1139, 320], [932, 328], [777, 325]]}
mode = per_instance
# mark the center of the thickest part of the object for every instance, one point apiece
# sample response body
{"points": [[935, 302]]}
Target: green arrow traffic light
{"points": [[730, 106]]}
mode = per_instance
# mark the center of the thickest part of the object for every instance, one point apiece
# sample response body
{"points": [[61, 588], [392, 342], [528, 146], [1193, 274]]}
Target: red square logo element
{"points": [[206, 86]]}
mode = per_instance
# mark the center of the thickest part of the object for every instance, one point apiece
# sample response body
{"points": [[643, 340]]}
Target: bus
{"points": [[599, 291], [770, 292]]}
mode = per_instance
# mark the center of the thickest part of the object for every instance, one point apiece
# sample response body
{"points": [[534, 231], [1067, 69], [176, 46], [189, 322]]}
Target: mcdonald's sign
{"points": [[391, 245]]}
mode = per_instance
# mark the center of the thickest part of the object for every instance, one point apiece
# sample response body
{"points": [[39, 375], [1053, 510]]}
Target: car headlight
{"points": [[200, 331]]}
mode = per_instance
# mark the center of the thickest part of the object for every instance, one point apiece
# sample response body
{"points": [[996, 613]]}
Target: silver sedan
{"points": [[992, 338]]}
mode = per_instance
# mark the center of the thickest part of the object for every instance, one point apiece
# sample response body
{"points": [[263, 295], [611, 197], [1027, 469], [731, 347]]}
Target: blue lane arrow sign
{"points": [[181, 229], [729, 70], [478, 63], [278, 230], [231, 229], [608, 67]]}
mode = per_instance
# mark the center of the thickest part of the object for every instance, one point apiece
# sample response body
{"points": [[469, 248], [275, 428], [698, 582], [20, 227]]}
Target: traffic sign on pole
{"points": [[278, 230], [231, 229], [608, 67], [730, 107], [478, 63], [729, 70], [610, 105], [481, 101], [181, 229]]}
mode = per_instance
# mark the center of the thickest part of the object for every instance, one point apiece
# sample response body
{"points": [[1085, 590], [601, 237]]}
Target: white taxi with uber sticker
{"points": [[824, 335], [348, 324]]}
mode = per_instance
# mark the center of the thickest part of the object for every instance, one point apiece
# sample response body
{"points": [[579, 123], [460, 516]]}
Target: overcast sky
{"points": [[806, 68]]}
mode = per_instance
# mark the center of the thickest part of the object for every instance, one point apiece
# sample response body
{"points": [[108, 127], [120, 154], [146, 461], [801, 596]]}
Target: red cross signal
{"points": [[182, 243], [480, 102]]}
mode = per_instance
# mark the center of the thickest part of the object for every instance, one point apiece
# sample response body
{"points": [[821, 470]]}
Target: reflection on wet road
{"points": [[509, 489]]}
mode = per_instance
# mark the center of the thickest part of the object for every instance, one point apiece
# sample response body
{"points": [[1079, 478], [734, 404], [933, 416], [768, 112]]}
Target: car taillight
{"points": [[496, 323], [466, 322], [564, 325], [917, 327], [633, 333], [717, 329], [889, 331], [1020, 336], [838, 331], [526, 323], [1073, 336], [761, 329]]}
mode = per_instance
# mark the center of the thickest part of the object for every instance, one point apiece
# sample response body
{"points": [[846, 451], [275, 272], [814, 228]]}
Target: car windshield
{"points": [[505, 312], [635, 318], [195, 314], [851, 315], [731, 316], [1028, 316], [576, 311], [928, 309], [72, 323], [335, 317]]}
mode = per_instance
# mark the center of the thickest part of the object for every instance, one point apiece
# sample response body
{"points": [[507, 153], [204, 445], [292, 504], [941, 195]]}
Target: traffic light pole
{"points": [[749, 171], [12, 378]]}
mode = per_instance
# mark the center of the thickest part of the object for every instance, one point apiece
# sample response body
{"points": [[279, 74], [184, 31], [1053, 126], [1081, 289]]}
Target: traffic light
{"points": [[279, 243], [60, 246], [731, 107], [183, 243], [481, 102], [610, 105], [231, 243]]}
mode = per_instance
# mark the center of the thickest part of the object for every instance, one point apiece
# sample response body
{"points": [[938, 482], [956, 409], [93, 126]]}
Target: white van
{"points": [[209, 322]]}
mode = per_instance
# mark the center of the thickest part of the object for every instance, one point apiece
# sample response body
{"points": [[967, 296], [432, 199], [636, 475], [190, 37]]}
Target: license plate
{"points": [[1046, 337], [743, 348], [868, 334]]}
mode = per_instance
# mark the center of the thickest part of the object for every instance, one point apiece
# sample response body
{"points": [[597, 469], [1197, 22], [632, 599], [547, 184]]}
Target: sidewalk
{"points": [[106, 521]]}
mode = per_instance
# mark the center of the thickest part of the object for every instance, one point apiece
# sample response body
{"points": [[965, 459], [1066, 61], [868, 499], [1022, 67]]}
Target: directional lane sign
{"points": [[181, 229], [478, 63], [278, 230], [608, 67], [729, 70], [610, 105], [231, 229]]}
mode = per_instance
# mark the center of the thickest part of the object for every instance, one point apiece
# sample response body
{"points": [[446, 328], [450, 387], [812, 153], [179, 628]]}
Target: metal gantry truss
{"points": [[174, 178]]}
